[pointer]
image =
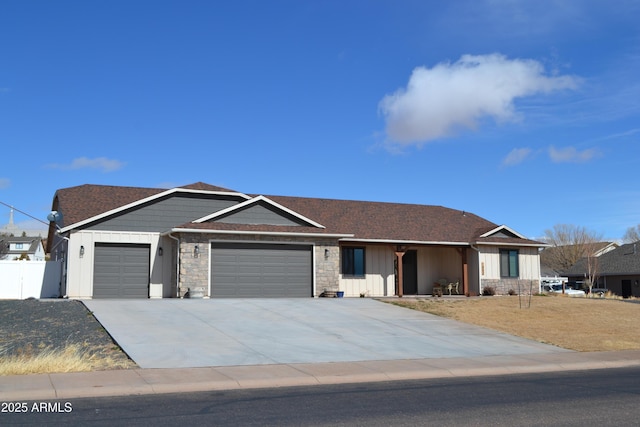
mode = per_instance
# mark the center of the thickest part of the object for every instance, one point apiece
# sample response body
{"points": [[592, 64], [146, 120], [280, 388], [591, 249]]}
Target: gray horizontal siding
{"points": [[260, 213], [164, 214]]}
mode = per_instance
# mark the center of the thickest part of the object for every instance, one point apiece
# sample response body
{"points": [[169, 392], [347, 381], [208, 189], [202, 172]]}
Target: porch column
{"points": [[465, 270], [400, 251]]}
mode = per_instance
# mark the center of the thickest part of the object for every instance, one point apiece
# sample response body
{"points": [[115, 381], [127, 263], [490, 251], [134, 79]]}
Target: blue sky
{"points": [[523, 112]]}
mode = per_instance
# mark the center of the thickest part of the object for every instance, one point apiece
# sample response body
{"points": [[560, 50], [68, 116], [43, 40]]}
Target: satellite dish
{"points": [[54, 216]]}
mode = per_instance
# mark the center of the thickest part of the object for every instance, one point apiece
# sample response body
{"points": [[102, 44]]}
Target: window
{"points": [[18, 245], [509, 263], [353, 261]]}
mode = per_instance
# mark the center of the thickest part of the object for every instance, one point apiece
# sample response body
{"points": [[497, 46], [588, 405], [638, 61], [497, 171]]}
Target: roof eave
{"points": [[532, 245], [248, 232], [407, 242]]}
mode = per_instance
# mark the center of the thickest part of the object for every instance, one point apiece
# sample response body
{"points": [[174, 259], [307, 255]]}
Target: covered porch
{"points": [[403, 270]]}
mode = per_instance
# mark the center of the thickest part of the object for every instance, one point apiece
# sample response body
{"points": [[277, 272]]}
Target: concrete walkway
{"points": [[154, 381], [174, 333]]}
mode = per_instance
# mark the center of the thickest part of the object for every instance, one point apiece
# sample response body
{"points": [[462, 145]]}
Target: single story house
{"points": [[128, 242], [553, 257], [22, 248], [617, 270]]}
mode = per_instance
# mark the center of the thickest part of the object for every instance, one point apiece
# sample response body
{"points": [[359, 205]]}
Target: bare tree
{"points": [[632, 234], [570, 243]]}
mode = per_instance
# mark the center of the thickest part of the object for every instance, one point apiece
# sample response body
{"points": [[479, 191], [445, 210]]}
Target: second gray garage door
{"points": [[246, 270]]}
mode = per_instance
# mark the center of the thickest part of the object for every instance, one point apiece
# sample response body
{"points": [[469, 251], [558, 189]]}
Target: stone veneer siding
{"points": [[519, 286], [194, 271]]}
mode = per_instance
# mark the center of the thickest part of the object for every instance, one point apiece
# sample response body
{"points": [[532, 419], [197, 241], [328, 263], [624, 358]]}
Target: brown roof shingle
{"points": [[364, 220], [389, 221], [86, 201]]}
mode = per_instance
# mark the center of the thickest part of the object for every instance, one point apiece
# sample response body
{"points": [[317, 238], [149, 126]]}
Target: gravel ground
{"points": [[29, 326]]}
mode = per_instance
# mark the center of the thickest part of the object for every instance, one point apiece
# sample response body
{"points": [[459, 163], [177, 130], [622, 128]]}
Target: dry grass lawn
{"points": [[581, 324], [71, 359]]}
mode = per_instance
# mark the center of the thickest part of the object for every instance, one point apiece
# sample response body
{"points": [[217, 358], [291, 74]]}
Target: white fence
{"points": [[30, 279]]}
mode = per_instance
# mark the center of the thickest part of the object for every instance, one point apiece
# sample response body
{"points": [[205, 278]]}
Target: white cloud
{"points": [[440, 100], [100, 163], [5, 182], [516, 156], [572, 155]]}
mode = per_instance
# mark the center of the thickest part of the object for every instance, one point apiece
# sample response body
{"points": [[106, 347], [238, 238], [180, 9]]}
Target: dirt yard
{"points": [[581, 324]]}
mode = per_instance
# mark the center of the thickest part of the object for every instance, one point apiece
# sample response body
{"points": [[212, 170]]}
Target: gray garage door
{"points": [[121, 271], [241, 270]]}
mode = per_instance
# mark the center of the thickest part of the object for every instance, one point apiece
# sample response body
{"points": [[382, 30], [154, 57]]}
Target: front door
{"points": [[626, 288], [410, 273]]}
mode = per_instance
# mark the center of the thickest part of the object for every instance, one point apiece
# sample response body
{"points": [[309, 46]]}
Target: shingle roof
{"points": [[88, 200], [389, 221], [624, 260], [206, 187], [360, 219], [33, 243]]}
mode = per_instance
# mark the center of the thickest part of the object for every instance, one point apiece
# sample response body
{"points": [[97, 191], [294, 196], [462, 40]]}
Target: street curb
{"points": [[159, 381]]}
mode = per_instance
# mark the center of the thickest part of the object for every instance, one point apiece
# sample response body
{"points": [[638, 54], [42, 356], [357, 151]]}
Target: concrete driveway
{"points": [[174, 333]]}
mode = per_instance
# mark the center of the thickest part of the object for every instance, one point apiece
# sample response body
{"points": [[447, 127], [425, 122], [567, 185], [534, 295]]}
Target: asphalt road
{"points": [[578, 398]]}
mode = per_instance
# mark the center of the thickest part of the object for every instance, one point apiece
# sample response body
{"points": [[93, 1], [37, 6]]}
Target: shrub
{"points": [[512, 292], [488, 291]]}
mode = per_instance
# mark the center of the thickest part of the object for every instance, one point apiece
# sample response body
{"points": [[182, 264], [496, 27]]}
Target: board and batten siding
{"points": [[528, 259], [434, 263], [80, 269], [379, 277]]}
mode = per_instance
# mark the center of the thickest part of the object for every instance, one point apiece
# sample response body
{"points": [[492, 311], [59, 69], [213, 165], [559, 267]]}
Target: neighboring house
{"points": [[22, 248], [144, 242], [553, 259], [617, 270], [550, 255]]}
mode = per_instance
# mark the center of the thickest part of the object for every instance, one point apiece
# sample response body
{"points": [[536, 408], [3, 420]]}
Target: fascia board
{"points": [[502, 227], [263, 233], [406, 242], [257, 199], [146, 200], [533, 245]]}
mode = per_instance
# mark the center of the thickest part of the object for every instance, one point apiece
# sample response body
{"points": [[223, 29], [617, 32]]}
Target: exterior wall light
{"points": [[196, 251], [81, 251], [160, 251], [326, 254]]}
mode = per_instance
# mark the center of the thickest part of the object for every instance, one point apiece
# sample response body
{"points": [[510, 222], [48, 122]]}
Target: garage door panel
{"points": [[240, 270], [121, 271]]}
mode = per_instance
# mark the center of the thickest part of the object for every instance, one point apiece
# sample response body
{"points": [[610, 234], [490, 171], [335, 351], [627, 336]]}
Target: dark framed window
{"points": [[353, 261], [509, 264]]}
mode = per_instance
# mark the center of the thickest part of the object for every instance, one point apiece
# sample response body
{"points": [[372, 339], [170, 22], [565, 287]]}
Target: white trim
{"points": [[502, 227], [405, 242], [149, 199], [254, 201], [532, 245], [419, 242], [261, 233]]}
